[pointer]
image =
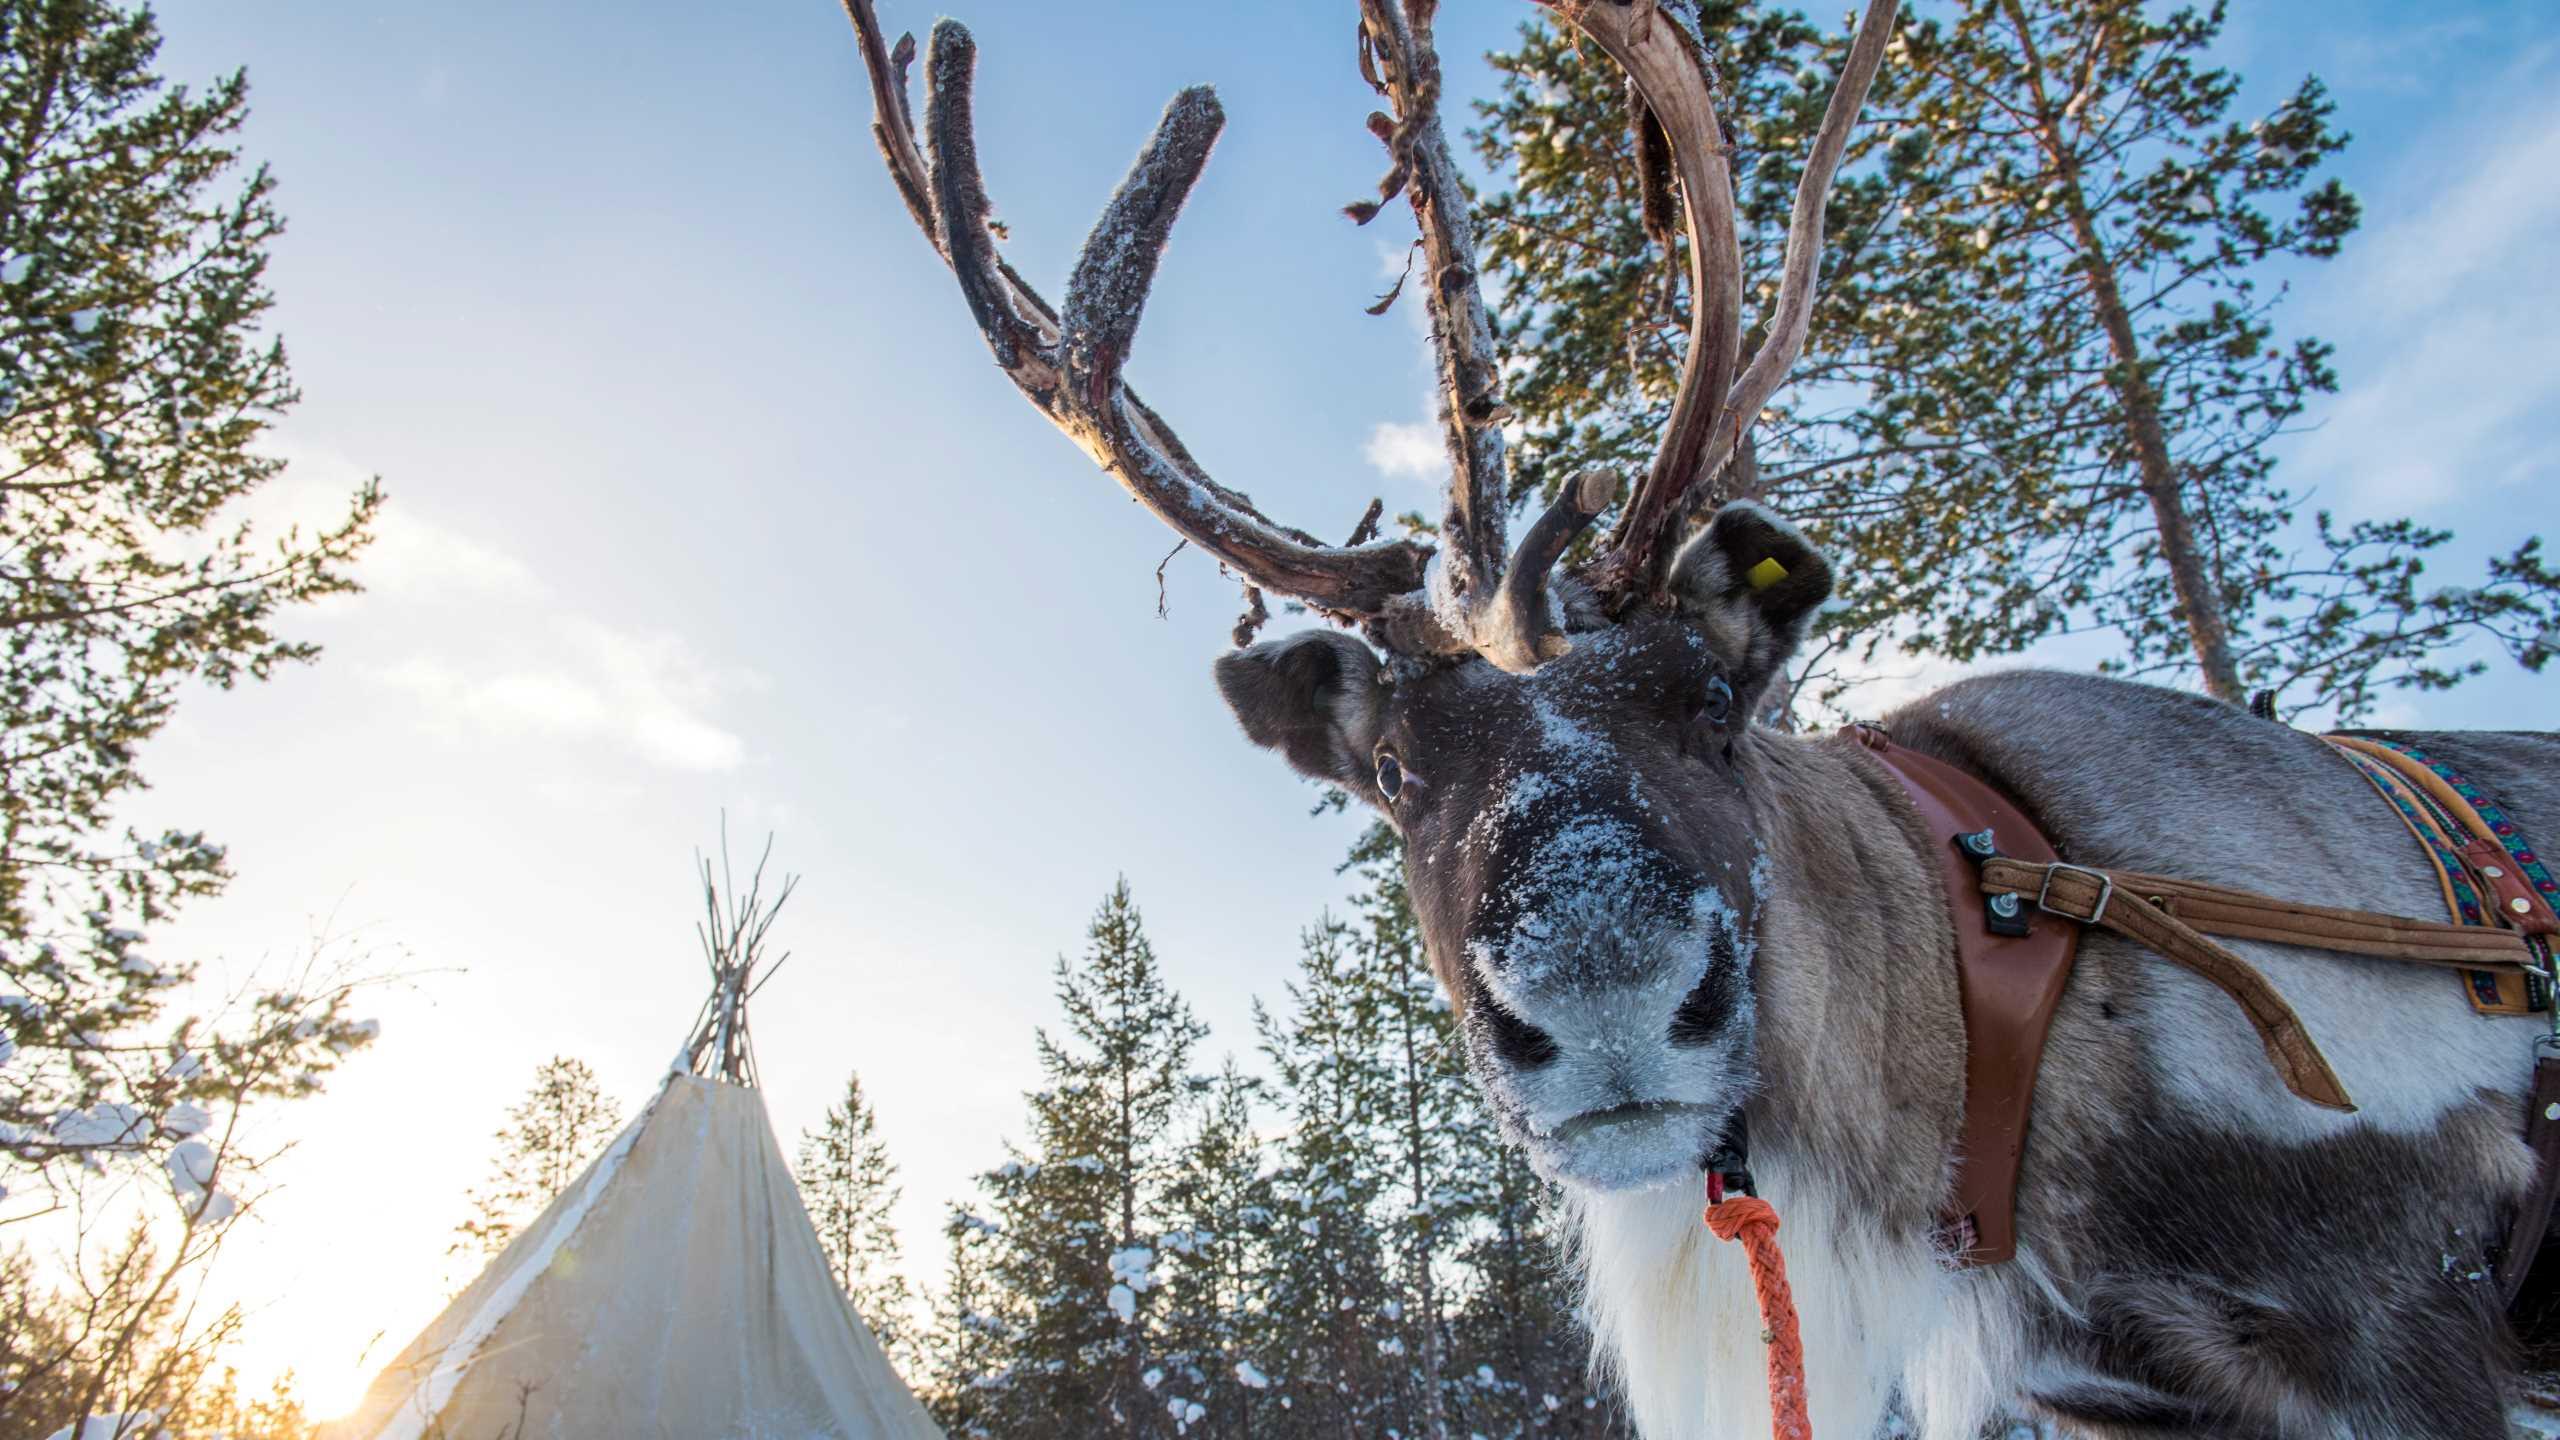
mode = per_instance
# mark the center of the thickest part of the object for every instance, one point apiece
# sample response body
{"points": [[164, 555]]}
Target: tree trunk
{"points": [[1435, 1415], [2199, 596], [1524, 1364], [1132, 1361]]}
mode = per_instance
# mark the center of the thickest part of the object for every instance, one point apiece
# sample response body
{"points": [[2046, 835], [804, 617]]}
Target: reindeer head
{"points": [[1578, 841], [1561, 749]]}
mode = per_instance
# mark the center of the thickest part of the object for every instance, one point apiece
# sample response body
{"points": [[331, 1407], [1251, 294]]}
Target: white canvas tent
{"points": [[675, 1289]]}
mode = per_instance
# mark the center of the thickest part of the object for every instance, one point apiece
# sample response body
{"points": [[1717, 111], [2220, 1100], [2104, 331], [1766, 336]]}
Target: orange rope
{"points": [[1750, 1219]]}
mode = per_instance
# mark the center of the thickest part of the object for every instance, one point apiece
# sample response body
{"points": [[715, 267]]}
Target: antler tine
{"points": [[1713, 407], [1107, 291], [1520, 629], [1793, 314], [1511, 627], [1662, 60], [1070, 367], [959, 194], [891, 125]]}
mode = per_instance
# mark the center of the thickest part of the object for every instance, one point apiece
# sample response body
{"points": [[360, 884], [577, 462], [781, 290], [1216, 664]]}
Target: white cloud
{"points": [[579, 680], [2442, 315], [1407, 450], [413, 557], [2400, 59], [537, 671]]}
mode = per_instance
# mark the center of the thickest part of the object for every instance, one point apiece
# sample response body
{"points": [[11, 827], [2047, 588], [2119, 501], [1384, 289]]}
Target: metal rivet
{"points": [[2004, 905], [2492, 871], [2551, 1111], [2520, 905], [1980, 842]]}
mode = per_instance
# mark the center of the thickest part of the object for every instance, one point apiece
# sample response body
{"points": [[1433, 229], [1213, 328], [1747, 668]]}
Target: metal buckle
{"points": [[2106, 892], [2548, 972]]}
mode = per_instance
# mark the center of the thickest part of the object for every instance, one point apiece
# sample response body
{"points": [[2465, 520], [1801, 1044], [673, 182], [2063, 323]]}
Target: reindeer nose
{"points": [[1520, 1045]]}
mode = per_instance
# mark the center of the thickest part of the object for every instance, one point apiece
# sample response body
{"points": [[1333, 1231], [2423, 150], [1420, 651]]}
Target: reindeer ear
{"points": [[1316, 697], [1752, 582]]}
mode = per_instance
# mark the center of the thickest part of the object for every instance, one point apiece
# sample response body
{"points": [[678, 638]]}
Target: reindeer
{"points": [[1654, 914]]}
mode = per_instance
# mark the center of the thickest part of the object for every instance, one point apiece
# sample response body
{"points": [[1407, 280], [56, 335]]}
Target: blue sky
{"points": [[706, 495]]}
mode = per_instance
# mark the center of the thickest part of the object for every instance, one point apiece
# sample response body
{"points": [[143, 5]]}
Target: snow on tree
{"points": [[972, 1330], [1429, 1130], [1071, 1248], [1339, 1350], [134, 386], [1217, 1209], [1340, 1247], [1492, 1345]]}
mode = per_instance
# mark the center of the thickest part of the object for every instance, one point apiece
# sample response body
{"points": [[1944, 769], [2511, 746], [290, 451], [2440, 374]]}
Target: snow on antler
{"points": [[1070, 368], [1461, 597]]}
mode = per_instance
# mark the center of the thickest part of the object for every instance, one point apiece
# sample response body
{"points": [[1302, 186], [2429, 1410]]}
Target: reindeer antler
{"points": [[1500, 609], [1070, 368], [1712, 409], [1468, 599]]}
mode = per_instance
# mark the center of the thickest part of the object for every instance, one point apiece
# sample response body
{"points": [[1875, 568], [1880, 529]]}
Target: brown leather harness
{"points": [[2001, 873]]}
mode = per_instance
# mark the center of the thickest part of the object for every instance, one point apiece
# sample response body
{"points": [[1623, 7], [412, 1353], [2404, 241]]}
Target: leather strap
{"points": [[2247, 915], [2515, 902], [2121, 901], [2481, 859], [2533, 1218], [2009, 986], [2481, 883]]}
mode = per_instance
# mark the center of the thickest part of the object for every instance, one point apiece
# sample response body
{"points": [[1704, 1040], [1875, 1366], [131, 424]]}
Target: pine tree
{"points": [[850, 1185], [2044, 377], [2091, 193], [1479, 1270], [1431, 1126], [135, 388], [1585, 239], [1072, 1260], [1340, 1346], [561, 1123], [973, 1335], [1594, 276], [1522, 1354], [1379, 1265], [1218, 1213]]}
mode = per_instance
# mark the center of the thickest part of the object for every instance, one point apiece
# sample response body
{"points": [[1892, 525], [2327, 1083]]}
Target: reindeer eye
{"points": [[1717, 704], [1390, 774]]}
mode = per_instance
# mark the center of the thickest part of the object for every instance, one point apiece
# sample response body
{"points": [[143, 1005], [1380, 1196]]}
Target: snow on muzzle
{"points": [[1612, 1017]]}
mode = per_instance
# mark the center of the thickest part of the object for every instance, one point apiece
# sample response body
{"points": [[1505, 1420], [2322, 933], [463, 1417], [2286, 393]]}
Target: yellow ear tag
{"points": [[1765, 574]]}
